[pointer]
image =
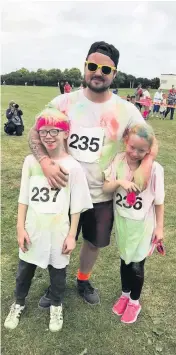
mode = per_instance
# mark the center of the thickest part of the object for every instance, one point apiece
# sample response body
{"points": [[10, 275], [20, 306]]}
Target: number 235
{"points": [[93, 145]]}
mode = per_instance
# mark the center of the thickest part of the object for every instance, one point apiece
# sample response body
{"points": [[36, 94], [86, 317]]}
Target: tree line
{"points": [[43, 77]]}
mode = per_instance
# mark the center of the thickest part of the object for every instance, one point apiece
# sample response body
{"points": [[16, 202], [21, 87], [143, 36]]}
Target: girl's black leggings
{"points": [[132, 278]]}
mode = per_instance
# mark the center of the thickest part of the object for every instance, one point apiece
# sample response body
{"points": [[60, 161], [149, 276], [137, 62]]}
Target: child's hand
{"points": [[23, 239], [69, 244], [129, 186], [158, 235]]}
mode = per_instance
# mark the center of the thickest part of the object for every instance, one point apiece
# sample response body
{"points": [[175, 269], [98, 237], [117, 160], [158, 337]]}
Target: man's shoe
{"points": [[87, 292], [44, 302]]}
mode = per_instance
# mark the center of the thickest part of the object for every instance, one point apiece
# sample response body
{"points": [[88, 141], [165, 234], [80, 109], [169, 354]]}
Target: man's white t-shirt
{"points": [[96, 132]]}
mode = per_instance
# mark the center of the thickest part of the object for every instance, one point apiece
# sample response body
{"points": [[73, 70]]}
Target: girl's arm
{"points": [[159, 211], [22, 210], [112, 186], [158, 234], [70, 242], [22, 235]]}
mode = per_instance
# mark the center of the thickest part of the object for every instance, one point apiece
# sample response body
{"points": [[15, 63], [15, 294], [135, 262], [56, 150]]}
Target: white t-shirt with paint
{"points": [[134, 225], [96, 132], [47, 220]]}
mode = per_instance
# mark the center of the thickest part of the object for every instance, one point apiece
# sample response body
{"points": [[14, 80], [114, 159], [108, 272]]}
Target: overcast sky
{"points": [[56, 34]]}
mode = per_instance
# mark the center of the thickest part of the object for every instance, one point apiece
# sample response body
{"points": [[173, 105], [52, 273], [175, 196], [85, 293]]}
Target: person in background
{"points": [[128, 98], [67, 88], [138, 94], [61, 87], [163, 107], [133, 99], [115, 91], [15, 122], [146, 102], [171, 100], [157, 101]]}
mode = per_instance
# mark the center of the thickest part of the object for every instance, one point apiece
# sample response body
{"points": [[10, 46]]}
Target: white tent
{"points": [[167, 80]]}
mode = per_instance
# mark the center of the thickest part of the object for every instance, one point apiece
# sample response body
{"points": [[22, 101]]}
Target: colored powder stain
{"points": [[110, 123], [131, 198], [108, 153]]}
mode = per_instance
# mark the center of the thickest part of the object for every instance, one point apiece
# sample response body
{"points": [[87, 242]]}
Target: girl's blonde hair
{"points": [[51, 116], [143, 131]]}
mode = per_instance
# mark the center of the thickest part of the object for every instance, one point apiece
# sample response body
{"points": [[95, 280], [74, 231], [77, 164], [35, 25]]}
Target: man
{"points": [[67, 88], [98, 121], [61, 87], [158, 97], [171, 101]]}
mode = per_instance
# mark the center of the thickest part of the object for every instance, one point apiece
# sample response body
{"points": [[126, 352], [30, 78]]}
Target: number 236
{"points": [[137, 206]]}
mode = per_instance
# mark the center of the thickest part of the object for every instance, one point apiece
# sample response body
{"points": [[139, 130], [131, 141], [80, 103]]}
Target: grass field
{"points": [[87, 330]]}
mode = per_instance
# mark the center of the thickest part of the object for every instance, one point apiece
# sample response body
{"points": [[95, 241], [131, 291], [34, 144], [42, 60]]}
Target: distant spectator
{"points": [[25, 83], [15, 122], [157, 101], [61, 87], [115, 91], [4, 82], [173, 88], [73, 86], [163, 107], [133, 99], [171, 100], [128, 98], [67, 88], [138, 95], [147, 102]]}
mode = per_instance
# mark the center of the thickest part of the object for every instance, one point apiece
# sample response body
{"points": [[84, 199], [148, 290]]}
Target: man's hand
{"points": [[158, 235], [129, 186], [56, 175], [69, 245], [23, 239]]}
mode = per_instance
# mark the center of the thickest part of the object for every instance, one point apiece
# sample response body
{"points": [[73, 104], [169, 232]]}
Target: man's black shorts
{"points": [[96, 224]]}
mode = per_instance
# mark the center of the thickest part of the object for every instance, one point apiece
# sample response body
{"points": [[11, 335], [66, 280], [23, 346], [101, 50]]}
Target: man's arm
{"points": [[142, 174], [9, 114]]}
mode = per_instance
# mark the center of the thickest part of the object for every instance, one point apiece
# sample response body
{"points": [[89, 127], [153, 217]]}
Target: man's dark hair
{"points": [[106, 49]]}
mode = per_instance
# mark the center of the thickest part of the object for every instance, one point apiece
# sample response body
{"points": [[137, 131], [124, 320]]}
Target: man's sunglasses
{"points": [[105, 69], [52, 132]]}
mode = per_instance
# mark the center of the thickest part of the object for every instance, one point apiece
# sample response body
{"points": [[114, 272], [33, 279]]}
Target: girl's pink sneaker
{"points": [[131, 313], [120, 306]]}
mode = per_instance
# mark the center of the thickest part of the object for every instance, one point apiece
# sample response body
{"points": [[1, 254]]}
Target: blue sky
{"points": [[57, 34]]}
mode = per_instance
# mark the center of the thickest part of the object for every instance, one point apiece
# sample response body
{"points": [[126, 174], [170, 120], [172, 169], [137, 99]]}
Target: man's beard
{"points": [[97, 89]]}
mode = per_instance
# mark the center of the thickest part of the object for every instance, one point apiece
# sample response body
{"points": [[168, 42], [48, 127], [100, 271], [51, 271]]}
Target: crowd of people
{"points": [[159, 106], [77, 179]]}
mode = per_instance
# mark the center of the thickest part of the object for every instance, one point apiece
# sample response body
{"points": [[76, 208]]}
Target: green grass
{"points": [[93, 328]]}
